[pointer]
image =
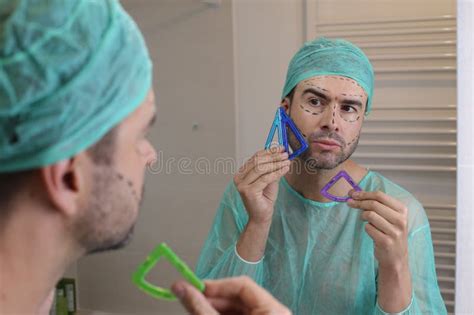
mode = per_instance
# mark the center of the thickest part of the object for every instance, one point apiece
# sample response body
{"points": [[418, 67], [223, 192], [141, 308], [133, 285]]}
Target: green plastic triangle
{"points": [[165, 252]]}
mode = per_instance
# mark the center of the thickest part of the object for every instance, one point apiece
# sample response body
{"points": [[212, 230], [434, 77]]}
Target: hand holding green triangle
{"points": [[167, 253]]}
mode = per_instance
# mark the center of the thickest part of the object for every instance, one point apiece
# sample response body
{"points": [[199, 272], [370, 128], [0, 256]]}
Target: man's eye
{"points": [[315, 102], [349, 109]]}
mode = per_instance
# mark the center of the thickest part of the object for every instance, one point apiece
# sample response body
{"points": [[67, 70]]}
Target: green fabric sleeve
{"points": [[426, 297], [219, 257]]}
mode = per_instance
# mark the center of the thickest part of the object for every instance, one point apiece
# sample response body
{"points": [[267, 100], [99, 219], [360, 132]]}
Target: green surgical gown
{"points": [[318, 258]]}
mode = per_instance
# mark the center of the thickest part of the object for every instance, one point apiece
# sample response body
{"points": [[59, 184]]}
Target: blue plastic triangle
{"points": [[281, 121]]}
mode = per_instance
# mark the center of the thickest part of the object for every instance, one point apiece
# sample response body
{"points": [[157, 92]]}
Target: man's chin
{"points": [[114, 245], [320, 161], [323, 166]]}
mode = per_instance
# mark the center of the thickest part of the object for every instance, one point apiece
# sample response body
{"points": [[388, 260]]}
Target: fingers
{"points": [[227, 306], [386, 215], [385, 206], [264, 169], [376, 234], [257, 162], [257, 165], [372, 205], [263, 181], [262, 156], [193, 300], [381, 197], [380, 223]]}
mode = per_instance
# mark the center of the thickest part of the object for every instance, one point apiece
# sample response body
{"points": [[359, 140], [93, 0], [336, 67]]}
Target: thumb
{"points": [[193, 300]]}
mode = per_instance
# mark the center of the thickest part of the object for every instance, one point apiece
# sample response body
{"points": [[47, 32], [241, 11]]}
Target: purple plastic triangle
{"points": [[342, 174]]}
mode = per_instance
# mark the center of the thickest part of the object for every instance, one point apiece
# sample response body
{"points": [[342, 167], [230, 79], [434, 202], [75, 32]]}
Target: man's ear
{"points": [[285, 103], [62, 182]]}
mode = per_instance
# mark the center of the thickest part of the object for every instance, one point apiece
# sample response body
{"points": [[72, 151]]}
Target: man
{"points": [[75, 108], [371, 255]]}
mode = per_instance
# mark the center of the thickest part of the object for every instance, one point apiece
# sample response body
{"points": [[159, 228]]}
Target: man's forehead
{"points": [[326, 82], [148, 106], [145, 110], [150, 99]]}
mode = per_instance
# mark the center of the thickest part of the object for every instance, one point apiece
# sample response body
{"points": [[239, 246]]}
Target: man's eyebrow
{"points": [[354, 102], [347, 101], [317, 93]]}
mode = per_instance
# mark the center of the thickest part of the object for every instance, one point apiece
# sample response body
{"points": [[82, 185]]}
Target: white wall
{"points": [[266, 35], [465, 215], [191, 46]]}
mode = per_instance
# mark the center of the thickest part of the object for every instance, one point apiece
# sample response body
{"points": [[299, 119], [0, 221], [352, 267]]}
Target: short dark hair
{"points": [[291, 94], [101, 153]]}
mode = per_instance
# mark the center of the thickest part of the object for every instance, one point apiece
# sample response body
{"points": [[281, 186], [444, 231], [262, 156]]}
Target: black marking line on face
{"points": [[351, 121], [353, 140], [355, 83], [304, 135], [353, 95], [311, 85], [129, 184], [309, 82], [308, 111], [318, 88]]}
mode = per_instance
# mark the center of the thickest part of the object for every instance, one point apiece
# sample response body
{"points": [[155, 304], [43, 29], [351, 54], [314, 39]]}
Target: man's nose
{"points": [[330, 118], [152, 156]]}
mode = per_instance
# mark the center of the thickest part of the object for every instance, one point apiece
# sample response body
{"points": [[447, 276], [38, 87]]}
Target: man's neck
{"points": [[309, 183], [33, 256]]}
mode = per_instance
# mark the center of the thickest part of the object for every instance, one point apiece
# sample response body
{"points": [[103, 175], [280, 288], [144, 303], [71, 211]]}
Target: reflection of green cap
{"points": [[70, 70], [331, 57]]}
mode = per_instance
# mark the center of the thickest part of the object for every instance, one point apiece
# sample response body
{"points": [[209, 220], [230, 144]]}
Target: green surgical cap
{"points": [[70, 71], [331, 57]]}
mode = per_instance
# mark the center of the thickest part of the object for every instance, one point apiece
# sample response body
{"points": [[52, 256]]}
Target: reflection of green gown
{"points": [[318, 258]]}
